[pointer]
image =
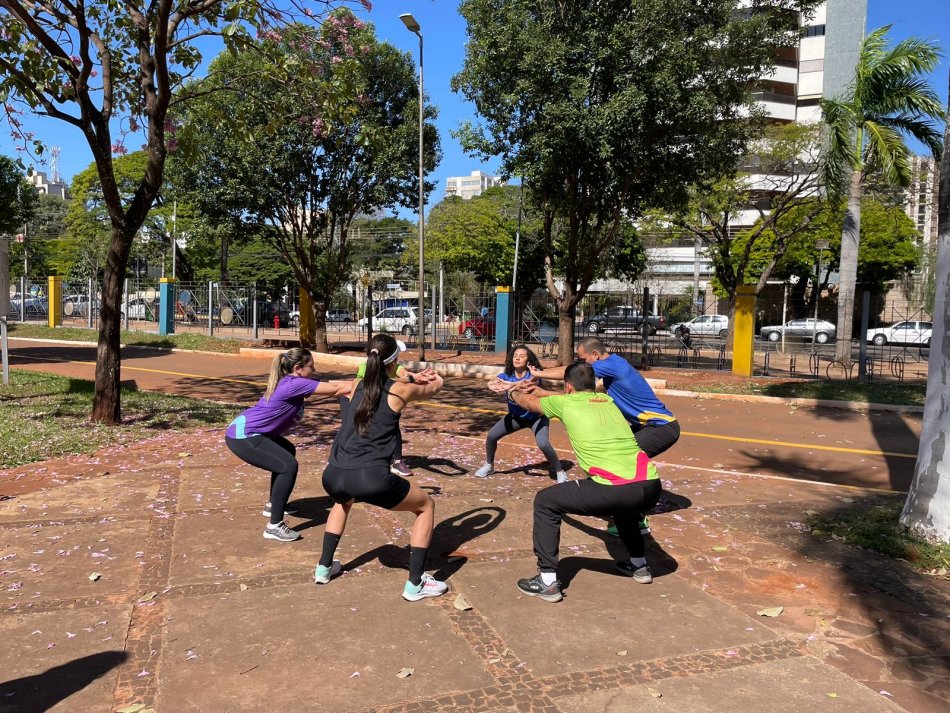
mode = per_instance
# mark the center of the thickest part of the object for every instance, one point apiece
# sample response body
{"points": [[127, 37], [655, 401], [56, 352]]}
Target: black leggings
{"points": [[273, 453], [654, 440], [586, 497], [509, 424]]}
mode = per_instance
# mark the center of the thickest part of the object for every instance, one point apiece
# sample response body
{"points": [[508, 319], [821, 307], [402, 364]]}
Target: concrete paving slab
{"points": [[299, 649], [602, 613], [63, 661], [802, 684], [48, 561]]}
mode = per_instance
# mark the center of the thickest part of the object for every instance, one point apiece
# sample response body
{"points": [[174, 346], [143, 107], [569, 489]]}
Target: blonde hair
{"points": [[284, 364]]}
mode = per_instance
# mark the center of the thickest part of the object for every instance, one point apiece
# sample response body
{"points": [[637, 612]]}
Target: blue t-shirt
{"points": [[631, 392], [519, 412], [273, 416]]}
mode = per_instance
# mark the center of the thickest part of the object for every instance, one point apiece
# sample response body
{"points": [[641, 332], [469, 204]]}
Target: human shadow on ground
{"points": [[538, 469], [438, 466], [315, 511], [445, 551], [42, 691]]}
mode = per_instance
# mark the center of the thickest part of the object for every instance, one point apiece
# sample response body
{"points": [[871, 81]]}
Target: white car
{"points": [[715, 325], [394, 319], [907, 332]]}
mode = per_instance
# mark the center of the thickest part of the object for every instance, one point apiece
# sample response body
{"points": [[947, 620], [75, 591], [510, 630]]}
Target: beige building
{"points": [[470, 186]]}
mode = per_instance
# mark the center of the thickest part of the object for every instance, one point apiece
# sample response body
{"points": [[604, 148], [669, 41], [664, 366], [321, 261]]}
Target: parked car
{"points": [[77, 305], [394, 319], [907, 332], [339, 315], [140, 308], [35, 307], [623, 318], [802, 329], [716, 325], [478, 326]]}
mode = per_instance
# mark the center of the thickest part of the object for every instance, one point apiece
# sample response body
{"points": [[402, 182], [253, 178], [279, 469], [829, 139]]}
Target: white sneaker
{"points": [[323, 575], [280, 532], [428, 587], [485, 471], [562, 477]]}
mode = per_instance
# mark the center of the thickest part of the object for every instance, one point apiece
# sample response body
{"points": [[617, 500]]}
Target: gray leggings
{"points": [[509, 424]]}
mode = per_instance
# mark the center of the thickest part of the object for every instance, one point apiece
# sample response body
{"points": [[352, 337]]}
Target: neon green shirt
{"points": [[601, 437], [361, 372]]}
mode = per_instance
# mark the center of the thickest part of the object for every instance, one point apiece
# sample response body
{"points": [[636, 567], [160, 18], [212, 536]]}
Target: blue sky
{"points": [[444, 32]]}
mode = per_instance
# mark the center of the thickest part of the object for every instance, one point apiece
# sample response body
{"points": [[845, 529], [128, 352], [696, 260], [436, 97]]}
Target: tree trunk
{"points": [[106, 406], [848, 270], [225, 249], [927, 509], [565, 332], [731, 311]]}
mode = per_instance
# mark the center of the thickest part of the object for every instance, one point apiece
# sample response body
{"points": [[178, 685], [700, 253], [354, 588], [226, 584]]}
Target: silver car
{"points": [[803, 329]]}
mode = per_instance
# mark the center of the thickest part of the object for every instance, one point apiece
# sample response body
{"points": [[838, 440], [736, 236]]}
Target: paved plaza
{"points": [[138, 579]]}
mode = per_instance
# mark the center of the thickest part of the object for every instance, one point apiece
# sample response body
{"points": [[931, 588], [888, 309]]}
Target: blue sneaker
{"points": [[428, 587], [323, 575]]}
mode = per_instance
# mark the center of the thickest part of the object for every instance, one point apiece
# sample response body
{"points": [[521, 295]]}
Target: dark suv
{"points": [[622, 318]]}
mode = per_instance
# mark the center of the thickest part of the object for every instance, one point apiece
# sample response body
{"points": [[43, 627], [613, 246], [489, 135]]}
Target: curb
{"points": [[812, 403]]}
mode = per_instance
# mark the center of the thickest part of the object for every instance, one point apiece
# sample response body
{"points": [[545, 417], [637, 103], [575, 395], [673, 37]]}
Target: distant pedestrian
{"points": [[255, 436], [359, 466], [516, 370]]}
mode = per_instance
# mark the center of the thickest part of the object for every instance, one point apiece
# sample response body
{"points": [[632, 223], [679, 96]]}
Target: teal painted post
{"points": [[166, 306], [502, 319]]}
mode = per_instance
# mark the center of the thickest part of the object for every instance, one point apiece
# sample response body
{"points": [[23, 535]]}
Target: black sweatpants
{"points": [[654, 440], [586, 497], [273, 453]]}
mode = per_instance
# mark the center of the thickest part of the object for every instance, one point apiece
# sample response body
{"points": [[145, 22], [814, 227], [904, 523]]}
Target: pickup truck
{"points": [[623, 318]]}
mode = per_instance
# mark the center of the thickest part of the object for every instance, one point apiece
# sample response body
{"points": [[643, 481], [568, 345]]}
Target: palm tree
{"points": [[888, 98]]}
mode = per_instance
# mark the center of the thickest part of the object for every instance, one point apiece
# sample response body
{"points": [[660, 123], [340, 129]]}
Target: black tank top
{"points": [[352, 450]]}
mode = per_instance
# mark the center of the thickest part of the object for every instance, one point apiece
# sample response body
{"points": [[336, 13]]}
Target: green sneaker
{"points": [[612, 530]]}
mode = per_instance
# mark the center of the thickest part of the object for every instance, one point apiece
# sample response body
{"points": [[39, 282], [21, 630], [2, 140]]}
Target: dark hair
{"points": [[509, 361], [377, 349], [284, 364], [580, 375], [591, 344]]}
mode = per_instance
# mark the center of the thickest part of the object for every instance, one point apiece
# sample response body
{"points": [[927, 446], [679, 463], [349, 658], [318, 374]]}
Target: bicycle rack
{"points": [[814, 364], [721, 364], [869, 367], [897, 368], [765, 366]]}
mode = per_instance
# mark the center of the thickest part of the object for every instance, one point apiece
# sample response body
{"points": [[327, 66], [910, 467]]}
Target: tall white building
{"points": [[42, 184], [470, 186]]}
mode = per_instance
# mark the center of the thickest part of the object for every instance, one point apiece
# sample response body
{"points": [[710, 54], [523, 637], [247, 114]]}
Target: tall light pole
{"points": [[410, 22]]}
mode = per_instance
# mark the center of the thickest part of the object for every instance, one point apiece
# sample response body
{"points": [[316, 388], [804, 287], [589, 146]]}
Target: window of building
{"points": [[815, 31]]}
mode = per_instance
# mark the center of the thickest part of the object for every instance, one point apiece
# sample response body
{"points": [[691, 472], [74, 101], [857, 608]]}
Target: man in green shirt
{"points": [[621, 482]]}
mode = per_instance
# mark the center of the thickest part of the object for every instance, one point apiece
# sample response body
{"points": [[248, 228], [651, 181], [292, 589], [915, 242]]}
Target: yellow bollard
{"points": [[743, 339], [54, 303]]}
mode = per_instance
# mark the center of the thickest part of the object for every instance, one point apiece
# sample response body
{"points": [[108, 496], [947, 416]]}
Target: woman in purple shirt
{"points": [[255, 436]]}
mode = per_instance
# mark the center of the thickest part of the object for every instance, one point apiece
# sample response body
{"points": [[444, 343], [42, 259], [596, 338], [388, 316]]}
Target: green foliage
{"points": [[17, 197], [258, 262], [605, 109], [380, 243]]}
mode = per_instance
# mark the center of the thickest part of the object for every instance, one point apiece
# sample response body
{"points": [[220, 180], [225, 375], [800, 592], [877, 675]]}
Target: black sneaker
{"points": [[535, 587], [643, 575]]}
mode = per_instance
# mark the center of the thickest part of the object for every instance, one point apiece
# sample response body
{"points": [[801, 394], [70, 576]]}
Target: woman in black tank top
{"points": [[358, 469]]}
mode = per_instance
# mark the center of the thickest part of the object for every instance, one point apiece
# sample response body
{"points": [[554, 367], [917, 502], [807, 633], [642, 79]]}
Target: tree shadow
{"points": [[42, 691]]}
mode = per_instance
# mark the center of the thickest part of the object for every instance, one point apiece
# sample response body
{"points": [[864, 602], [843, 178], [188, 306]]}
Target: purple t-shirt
{"points": [[273, 416]]}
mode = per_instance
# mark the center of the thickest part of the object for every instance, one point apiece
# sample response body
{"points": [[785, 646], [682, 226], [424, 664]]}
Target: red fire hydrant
{"points": [[276, 321]]}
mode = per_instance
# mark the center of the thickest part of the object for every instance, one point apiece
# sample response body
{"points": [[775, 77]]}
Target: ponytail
{"points": [[378, 349], [284, 364]]}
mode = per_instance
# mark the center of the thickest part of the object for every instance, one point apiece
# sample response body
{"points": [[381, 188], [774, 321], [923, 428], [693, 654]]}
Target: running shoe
{"points": [[323, 575], [280, 532], [643, 575], [485, 471], [287, 510], [399, 467], [428, 587], [561, 477], [535, 587]]}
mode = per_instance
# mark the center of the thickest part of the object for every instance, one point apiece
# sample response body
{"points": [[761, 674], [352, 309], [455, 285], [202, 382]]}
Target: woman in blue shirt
{"points": [[516, 370]]}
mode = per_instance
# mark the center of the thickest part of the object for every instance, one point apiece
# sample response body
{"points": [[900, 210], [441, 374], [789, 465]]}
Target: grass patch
{"points": [[878, 529], [188, 340], [875, 393], [47, 416]]}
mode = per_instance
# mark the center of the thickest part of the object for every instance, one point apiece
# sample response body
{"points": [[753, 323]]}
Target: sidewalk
{"points": [[194, 611]]}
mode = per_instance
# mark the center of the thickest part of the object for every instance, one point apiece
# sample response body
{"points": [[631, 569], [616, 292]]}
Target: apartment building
{"points": [[472, 185]]}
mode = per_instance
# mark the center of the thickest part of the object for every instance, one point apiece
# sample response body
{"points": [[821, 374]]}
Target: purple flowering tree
{"points": [[116, 70]]}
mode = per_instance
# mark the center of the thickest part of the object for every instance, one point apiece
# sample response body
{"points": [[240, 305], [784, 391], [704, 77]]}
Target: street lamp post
{"points": [[822, 245], [410, 22]]}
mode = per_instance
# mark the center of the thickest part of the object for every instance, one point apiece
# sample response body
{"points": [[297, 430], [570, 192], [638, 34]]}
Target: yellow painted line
{"points": [[473, 409], [787, 444]]}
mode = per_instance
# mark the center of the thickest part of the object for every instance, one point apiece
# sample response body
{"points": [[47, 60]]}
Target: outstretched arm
{"points": [[530, 401], [334, 388], [555, 372]]}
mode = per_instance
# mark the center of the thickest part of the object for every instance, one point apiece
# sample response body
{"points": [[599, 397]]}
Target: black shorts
{"points": [[376, 486]]}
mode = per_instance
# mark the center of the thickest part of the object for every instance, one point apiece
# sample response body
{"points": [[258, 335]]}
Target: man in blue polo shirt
{"points": [[654, 426]]}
